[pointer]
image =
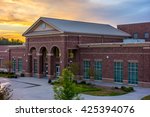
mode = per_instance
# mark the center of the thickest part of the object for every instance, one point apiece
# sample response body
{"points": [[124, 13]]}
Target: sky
{"points": [[18, 15]]}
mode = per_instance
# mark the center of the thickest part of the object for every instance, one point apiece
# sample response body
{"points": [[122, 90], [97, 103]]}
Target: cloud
{"points": [[126, 11], [26, 12]]}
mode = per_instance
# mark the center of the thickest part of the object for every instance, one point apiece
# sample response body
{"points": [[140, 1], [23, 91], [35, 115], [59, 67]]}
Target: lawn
{"points": [[146, 97], [89, 89], [99, 90]]}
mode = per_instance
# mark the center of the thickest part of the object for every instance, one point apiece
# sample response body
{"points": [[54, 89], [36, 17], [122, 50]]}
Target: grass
{"points": [[84, 88], [98, 90], [146, 97]]}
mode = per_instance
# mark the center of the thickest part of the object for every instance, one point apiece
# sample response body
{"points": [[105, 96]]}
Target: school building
{"points": [[102, 52]]}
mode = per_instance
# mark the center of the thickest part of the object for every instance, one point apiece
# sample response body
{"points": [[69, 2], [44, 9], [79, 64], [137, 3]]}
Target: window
{"points": [[19, 64], [132, 73], [118, 72], [71, 53], [35, 65], [13, 65], [135, 35], [43, 25], [146, 35], [98, 70], [1, 63], [86, 69]]}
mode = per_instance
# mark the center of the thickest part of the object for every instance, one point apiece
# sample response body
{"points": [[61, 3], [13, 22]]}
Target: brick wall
{"points": [[139, 28]]}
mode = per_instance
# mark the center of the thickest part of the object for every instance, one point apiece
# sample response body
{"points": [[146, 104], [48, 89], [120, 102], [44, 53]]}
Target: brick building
{"points": [[111, 54]]}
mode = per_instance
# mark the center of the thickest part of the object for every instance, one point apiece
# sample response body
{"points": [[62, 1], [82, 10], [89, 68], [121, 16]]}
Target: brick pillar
{"points": [[63, 61], [39, 64], [29, 65], [50, 75]]}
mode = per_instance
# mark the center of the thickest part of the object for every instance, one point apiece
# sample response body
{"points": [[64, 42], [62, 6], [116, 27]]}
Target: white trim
{"points": [[117, 60], [133, 61], [111, 53]]}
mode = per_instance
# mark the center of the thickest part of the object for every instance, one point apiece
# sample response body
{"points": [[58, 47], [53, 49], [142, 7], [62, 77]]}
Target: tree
{"points": [[67, 89], [8, 65], [6, 41]]}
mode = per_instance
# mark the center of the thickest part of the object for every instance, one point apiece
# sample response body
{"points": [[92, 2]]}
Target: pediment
{"points": [[42, 26]]}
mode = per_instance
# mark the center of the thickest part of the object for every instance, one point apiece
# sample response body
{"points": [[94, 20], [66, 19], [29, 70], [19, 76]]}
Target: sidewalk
{"points": [[29, 88]]}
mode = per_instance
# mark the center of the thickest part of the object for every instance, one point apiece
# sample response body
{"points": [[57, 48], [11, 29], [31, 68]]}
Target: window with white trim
{"points": [[146, 35], [133, 73], [19, 64], [98, 70], [118, 71], [135, 35], [86, 67]]}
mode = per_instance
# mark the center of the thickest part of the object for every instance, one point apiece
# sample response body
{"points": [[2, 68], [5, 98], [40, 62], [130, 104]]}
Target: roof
{"points": [[4, 48], [69, 26]]}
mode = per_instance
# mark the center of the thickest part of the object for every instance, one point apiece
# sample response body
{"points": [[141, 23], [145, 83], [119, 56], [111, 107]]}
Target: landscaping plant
{"points": [[5, 92], [66, 90]]}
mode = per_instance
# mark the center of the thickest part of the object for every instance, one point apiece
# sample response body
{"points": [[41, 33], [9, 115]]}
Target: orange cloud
{"points": [[12, 35]]}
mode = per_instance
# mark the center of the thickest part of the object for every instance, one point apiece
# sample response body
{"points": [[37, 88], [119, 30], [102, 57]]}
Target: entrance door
{"points": [[35, 68], [46, 69], [57, 70]]}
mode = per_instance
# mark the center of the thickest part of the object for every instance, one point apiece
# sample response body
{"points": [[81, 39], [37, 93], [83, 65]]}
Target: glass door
{"points": [[57, 70]]}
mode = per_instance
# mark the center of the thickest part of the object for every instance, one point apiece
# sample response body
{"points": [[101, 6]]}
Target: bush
{"points": [[8, 75], [11, 76], [82, 82], [127, 89], [5, 92], [146, 97], [67, 89], [116, 87], [22, 75], [56, 82]]}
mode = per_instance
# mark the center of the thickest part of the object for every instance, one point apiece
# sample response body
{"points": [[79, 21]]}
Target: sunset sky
{"points": [[17, 15]]}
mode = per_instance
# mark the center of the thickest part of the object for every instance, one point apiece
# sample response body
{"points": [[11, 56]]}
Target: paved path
{"points": [[38, 89]]}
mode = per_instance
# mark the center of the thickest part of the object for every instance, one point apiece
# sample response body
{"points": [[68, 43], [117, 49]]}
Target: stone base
{"points": [[39, 75], [109, 80], [28, 74], [144, 84]]}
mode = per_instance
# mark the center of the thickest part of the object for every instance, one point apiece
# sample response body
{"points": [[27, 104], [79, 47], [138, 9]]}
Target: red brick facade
{"points": [[43, 55], [140, 29]]}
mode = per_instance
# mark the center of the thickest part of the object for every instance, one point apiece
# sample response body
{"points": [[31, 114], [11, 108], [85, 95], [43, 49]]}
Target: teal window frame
{"points": [[133, 73], [118, 71], [19, 64], [86, 67], [14, 65], [98, 70]]}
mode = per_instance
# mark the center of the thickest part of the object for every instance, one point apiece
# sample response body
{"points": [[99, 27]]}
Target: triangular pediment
{"points": [[41, 27]]}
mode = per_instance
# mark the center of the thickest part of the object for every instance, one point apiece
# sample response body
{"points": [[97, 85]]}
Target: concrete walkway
{"points": [[38, 89]]}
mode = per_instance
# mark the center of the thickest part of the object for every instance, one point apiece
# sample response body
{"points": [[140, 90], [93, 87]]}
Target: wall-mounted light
{"points": [[107, 57]]}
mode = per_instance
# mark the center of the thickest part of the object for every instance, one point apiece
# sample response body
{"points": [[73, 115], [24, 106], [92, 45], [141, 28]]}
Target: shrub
{"points": [[127, 89], [146, 97], [116, 87], [82, 82], [5, 92], [56, 82], [11, 76], [22, 75], [67, 89]]}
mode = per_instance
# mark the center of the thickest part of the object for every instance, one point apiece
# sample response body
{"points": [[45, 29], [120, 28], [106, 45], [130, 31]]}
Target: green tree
{"points": [[6, 41], [67, 89], [8, 65]]}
